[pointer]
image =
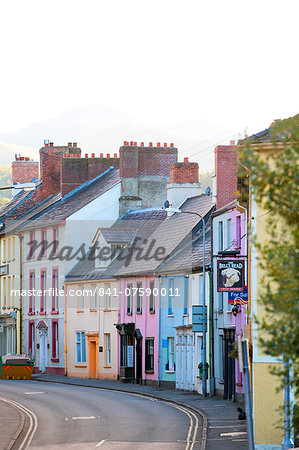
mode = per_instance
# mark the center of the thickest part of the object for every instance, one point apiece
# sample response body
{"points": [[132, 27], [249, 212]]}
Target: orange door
{"points": [[92, 361]]}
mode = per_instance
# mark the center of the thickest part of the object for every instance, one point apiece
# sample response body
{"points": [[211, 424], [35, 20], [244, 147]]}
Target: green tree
{"points": [[5, 180], [271, 160]]}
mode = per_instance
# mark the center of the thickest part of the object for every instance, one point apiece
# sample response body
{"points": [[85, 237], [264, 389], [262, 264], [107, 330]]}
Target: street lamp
{"points": [[204, 349]]}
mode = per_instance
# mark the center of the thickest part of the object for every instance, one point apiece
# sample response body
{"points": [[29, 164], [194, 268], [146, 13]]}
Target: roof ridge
{"points": [[22, 201]]}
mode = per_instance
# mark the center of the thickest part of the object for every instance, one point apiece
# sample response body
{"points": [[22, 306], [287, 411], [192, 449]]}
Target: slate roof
{"points": [[120, 236], [23, 202], [134, 224], [15, 224], [169, 235], [188, 257], [262, 136], [75, 200]]}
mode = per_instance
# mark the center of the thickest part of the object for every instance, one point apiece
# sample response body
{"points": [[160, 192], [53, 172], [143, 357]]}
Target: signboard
{"points": [[230, 275], [197, 318], [238, 298], [130, 356], [4, 269]]}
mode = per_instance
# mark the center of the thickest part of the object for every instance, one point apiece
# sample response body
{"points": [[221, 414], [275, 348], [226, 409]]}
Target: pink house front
{"points": [[138, 328]]}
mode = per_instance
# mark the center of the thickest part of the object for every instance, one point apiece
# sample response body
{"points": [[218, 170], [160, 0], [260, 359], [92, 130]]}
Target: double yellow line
{"points": [[194, 423], [33, 423]]}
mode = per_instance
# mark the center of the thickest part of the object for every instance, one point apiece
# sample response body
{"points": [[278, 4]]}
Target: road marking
{"points": [[83, 418], [236, 433], [33, 392], [100, 443], [33, 422], [229, 426]]}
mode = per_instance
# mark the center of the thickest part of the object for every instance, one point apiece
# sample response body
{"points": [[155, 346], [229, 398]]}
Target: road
{"points": [[74, 417]]}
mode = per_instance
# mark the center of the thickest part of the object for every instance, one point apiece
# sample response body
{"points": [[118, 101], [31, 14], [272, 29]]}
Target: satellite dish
{"points": [[166, 204], [208, 190]]}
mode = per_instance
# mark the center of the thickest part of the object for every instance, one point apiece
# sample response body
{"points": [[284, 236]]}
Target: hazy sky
{"points": [[232, 62]]}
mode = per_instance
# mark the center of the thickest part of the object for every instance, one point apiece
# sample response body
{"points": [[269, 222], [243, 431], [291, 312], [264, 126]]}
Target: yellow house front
{"points": [[91, 310], [11, 300], [267, 395]]}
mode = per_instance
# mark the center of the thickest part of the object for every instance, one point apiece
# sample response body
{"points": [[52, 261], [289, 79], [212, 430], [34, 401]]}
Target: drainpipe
{"points": [[65, 327], [20, 343], [211, 338], [159, 332]]}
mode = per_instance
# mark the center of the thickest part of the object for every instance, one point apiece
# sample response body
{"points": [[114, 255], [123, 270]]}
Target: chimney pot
{"points": [[150, 144], [101, 155], [232, 142], [141, 144], [75, 144], [165, 144], [135, 143], [158, 144], [86, 155], [69, 144], [108, 155], [131, 143], [93, 155], [51, 144], [186, 159], [115, 155], [172, 144]]}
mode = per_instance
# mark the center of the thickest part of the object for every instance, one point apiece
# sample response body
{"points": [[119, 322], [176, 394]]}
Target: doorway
{"points": [[93, 356], [139, 360], [43, 350], [229, 365]]}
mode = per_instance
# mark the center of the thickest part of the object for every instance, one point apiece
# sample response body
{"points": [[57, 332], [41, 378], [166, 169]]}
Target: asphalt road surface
{"points": [[74, 417]]}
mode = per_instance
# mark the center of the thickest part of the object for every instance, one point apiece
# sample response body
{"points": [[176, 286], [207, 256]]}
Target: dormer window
{"points": [[107, 253]]}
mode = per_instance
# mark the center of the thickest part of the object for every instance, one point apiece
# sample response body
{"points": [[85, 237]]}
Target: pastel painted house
{"points": [[181, 277], [140, 315], [45, 269]]}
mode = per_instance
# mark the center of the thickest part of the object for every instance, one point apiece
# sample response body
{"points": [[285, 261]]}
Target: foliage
{"points": [[205, 179], [272, 167], [5, 180]]}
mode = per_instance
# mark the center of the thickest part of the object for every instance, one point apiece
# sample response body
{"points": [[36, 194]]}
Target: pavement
{"points": [[11, 424], [219, 418]]}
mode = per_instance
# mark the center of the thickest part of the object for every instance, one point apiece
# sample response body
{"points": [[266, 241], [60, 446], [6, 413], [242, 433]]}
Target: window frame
{"points": [[171, 351], [129, 299], [43, 286], [220, 235], [138, 298], [80, 340], [107, 349], [152, 297], [149, 358], [55, 341], [55, 285]]}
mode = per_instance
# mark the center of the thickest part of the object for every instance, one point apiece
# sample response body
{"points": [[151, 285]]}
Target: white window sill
{"points": [[169, 371]]}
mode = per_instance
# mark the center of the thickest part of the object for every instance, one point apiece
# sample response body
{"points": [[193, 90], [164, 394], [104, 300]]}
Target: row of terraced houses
{"points": [[99, 280]]}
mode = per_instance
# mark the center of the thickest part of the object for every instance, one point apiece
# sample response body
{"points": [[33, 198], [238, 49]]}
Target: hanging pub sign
{"points": [[230, 275]]}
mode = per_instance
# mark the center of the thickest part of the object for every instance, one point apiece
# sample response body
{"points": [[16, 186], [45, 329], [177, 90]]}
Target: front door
{"points": [[93, 355], [139, 360], [92, 359], [43, 350], [229, 365]]}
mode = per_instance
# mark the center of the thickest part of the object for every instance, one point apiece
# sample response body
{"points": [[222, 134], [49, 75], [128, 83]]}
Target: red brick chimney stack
{"points": [[226, 173], [184, 172], [23, 170]]}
